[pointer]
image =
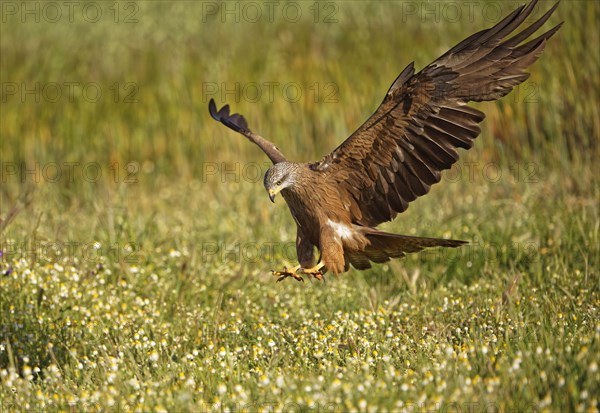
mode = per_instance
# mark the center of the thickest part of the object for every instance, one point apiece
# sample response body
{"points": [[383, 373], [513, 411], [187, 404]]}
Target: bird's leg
{"points": [[316, 271], [292, 272]]}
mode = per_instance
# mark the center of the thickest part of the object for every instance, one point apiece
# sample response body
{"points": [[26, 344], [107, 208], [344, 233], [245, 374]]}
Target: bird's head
{"points": [[278, 177]]}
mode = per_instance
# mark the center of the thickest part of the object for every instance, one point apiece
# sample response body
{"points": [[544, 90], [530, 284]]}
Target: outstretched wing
{"points": [[400, 151], [237, 123]]}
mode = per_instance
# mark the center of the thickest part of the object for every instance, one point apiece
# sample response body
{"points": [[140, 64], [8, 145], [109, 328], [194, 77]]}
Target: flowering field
{"points": [[137, 241]]}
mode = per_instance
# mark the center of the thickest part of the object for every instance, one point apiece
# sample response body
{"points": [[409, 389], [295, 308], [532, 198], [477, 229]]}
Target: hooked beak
{"points": [[272, 193]]}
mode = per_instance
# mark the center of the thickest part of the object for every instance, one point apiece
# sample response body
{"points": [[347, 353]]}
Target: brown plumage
{"points": [[399, 152]]}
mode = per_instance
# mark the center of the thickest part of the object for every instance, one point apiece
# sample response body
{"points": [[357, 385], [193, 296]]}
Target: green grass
{"points": [[148, 289]]}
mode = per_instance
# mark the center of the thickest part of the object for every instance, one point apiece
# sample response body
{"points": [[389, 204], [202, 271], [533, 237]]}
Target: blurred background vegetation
{"points": [[156, 65]]}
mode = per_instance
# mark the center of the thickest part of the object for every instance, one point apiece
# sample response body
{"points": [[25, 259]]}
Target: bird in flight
{"points": [[398, 153]]}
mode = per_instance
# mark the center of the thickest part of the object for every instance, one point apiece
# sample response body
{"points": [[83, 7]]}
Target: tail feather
{"points": [[406, 243], [384, 246]]}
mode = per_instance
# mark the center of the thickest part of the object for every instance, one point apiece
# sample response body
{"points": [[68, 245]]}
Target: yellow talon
{"points": [[297, 272], [316, 271], [285, 273]]}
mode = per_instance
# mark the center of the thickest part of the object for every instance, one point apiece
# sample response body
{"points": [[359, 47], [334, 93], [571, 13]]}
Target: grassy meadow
{"points": [[137, 240]]}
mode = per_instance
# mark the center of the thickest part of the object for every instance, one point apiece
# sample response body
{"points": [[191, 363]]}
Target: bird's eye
{"points": [[278, 182]]}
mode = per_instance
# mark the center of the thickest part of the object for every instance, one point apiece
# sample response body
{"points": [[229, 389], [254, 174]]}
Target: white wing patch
{"points": [[341, 230]]}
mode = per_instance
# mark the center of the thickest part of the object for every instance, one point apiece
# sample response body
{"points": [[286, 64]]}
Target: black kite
{"points": [[398, 153]]}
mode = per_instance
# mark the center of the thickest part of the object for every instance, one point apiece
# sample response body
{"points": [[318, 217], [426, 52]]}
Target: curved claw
{"points": [[285, 273]]}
